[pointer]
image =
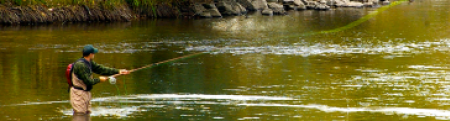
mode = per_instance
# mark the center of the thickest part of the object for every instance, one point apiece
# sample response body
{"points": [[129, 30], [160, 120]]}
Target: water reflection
{"points": [[392, 67]]}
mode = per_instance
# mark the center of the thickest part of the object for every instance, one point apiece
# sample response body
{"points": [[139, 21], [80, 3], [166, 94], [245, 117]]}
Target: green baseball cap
{"points": [[88, 49]]}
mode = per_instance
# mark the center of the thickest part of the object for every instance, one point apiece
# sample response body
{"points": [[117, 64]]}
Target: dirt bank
{"points": [[34, 14]]}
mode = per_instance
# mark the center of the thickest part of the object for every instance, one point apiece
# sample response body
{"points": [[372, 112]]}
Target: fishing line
{"points": [[112, 79], [118, 92], [348, 26]]}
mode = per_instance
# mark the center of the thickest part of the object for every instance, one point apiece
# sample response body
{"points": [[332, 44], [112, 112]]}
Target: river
{"points": [[391, 67]]}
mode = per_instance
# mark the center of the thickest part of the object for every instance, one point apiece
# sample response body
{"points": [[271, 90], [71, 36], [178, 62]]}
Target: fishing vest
{"points": [[78, 83]]}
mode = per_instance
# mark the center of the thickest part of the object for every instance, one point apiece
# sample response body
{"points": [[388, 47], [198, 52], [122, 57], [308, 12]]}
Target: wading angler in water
{"points": [[81, 80]]}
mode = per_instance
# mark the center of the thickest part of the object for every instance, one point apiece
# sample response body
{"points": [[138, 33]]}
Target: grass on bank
{"points": [[137, 5]]}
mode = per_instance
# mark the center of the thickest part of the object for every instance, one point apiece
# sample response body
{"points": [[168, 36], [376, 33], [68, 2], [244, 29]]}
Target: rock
{"points": [[311, 4], [322, 7], [369, 4], [375, 2], [267, 12], [206, 10], [209, 6], [331, 2], [290, 7], [198, 9], [339, 3], [298, 2], [241, 8], [301, 7], [214, 13], [353, 4], [294, 4], [323, 2], [386, 2], [230, 7], [276, 8], [254, 5], [205, 14]]}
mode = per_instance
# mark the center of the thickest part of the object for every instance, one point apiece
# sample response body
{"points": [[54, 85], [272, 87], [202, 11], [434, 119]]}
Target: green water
{"points": [[393, 66]]}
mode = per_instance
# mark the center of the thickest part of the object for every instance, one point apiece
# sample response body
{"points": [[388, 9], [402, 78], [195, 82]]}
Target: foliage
{"points": [[136, 4]]}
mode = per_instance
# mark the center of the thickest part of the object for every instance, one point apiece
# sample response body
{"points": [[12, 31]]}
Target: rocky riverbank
{"points": [[33, 14]]}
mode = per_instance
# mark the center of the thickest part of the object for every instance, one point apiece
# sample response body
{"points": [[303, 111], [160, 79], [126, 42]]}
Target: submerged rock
{"points": [[267, 12]]}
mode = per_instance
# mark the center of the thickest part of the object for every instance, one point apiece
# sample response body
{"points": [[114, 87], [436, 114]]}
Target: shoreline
{"points": [[41, 14]]}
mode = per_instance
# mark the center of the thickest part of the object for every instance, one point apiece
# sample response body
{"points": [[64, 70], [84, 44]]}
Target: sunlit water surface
{"points": [[395, 66]]}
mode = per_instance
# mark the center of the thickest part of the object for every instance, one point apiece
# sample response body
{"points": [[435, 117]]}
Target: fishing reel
{"points": [[112, 80]]}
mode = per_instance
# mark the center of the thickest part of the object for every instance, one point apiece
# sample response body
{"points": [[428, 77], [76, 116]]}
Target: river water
{"points": [[391, 67]]}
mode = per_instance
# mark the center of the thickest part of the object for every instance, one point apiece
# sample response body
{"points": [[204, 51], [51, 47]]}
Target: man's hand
{"points": [[103, 78], [124, 71]]}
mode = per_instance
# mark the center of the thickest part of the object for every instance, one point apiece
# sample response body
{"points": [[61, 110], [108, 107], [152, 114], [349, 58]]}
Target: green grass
{"points": [[145, 7], [135, 4]]}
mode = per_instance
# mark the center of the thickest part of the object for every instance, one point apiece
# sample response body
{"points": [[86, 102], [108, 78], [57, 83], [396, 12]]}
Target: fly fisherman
{"points": [[83, 81]]}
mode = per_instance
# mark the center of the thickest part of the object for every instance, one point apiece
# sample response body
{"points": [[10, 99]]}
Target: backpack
{"points": [[69, 72]]}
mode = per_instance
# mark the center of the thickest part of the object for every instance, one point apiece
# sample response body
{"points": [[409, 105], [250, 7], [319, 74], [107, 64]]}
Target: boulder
{"points": [[214, 13], [323, 2], [205, 14], [254, 5], [206, 10], [294, 4], [276, 8], [267, 12], [339, 3], [311, 4], [198, 8], [375, 2], [331, 2], [322, 7], [290, 7], [241, 8], [386, 2], [209, 6], [230, 7], [298, 2], [369, 4], [353, 4]]}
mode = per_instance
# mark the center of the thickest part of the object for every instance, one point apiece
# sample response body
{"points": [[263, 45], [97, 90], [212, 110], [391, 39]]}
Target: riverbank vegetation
{"points": [[135, 4], [143, 7]]}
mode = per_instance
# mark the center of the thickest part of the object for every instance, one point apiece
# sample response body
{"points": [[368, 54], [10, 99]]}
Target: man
{"points": [[83, 81]]}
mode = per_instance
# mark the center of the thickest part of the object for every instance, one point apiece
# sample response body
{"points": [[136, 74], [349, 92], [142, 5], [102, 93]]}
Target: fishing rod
{"points": [[112, 79]]}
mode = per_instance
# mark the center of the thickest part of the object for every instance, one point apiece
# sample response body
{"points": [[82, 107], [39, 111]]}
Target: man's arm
{"points": [[81, 70], [103, 70]]}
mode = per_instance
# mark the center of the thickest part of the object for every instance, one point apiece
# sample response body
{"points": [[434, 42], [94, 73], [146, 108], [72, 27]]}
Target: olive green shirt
{"points": [[82, 71]]}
